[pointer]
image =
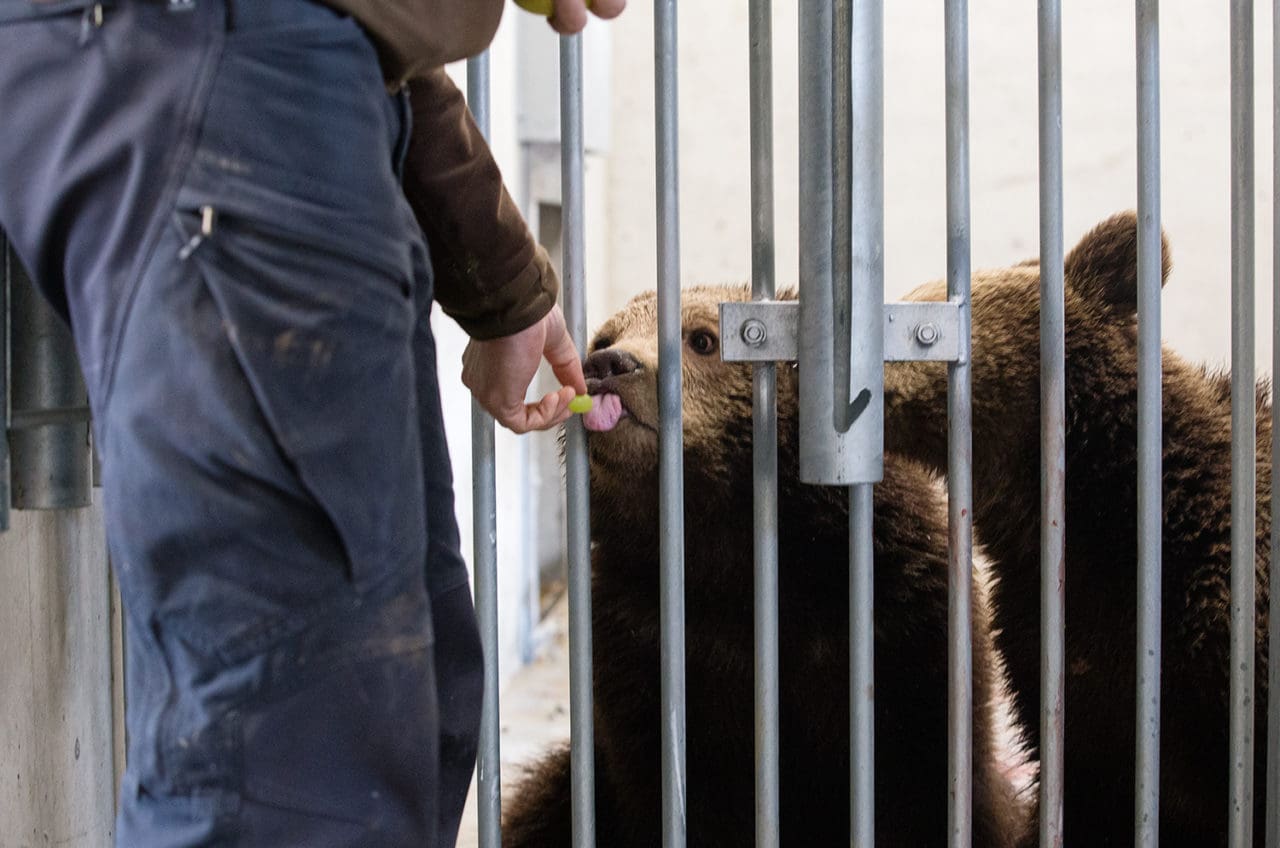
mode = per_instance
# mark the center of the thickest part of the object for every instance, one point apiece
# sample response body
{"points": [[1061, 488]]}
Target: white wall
{"points": [[1099, 129]]}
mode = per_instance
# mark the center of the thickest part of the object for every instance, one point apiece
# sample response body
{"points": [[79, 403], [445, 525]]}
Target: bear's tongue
{"points": [[606, 412]]}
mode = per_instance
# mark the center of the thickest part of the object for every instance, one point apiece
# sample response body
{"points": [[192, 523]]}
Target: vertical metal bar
{"points": [[485, 542], [862, 824], [960, 434], [841, 353], [764, 434], [48, 432], [841, 383], [1273, 620], [577, 471], [1243, 415], [856, 319], [1052, 425], [816, 207], [1150, 439], [864, 386], [815, 140], [7, 263], [671, 435], [841, 210], [858, 294]]}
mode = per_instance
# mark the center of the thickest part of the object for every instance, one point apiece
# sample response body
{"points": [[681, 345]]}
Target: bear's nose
{"points": [[607, 363]]}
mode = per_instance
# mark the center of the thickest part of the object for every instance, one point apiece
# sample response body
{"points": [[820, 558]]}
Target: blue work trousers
{"points": [[209, 191]]}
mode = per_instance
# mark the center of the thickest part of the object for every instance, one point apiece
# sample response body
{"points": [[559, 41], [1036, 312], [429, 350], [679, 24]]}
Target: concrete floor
{"points": [[534, 710]]}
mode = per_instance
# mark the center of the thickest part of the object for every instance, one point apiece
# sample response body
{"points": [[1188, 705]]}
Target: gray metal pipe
{"points": [[485, 554], [8, 268], [1243, 415], [577, 471], [1150, 439], [841, 336], [959, 435], [816, 206], [862, 701], [670, 432], [1273, 634], [816, 339], [52, 461], [1052, 425], [852, 438], [764, 417], [857, 332]]}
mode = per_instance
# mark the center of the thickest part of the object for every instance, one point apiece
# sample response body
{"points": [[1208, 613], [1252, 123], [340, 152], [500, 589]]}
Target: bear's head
{"points": [[622, 375], [1100, 303]]}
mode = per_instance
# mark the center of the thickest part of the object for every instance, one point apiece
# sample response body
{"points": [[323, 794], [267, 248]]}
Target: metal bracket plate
{"points": [[769, 330]]}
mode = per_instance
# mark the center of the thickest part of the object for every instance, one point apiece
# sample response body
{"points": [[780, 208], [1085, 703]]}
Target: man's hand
{"points": [[571, 15], [499, 371]]}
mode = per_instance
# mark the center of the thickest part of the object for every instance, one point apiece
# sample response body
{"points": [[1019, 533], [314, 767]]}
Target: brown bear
{"points": [[1101, 535], [910, 624]]}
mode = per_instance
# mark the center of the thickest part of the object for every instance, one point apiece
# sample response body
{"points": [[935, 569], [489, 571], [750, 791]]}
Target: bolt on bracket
{"points": [[769, 330]]}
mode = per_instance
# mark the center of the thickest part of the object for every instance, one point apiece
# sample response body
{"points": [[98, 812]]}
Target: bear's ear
{"points": [[1103, 267]]}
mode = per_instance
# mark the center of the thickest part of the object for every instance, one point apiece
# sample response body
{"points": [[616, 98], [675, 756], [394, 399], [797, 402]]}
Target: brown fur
{"points": [[911, 629], [1101, 541]]}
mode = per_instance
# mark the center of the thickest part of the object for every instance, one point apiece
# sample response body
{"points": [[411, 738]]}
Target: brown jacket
{"points": [[414, 36], [491, 276]]}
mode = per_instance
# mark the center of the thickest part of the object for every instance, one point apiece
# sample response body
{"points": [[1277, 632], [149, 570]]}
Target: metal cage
{"points": [[841, 276]]}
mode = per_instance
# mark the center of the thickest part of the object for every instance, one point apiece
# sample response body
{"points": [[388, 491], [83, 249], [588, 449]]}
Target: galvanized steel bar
{"points": [[839, 454], [1273, 619], [1052, 425], [959, 435], [841, 234], [816, 337], [48, 433], [484, 510], [1243, 415], [857, 176], [1150, 439], [764, 415], [864, 386], [670, 435], [862, 701], [857, 244], [577, 472], [8, 266]]}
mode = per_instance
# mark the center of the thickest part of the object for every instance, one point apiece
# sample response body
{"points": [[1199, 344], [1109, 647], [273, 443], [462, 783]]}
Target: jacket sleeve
{"points": [[490, 274]]}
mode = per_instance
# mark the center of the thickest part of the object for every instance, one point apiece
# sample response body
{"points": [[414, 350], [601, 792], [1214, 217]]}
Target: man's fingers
{"points": [[565, 364], [608, 8], [570, 16], [547, 412], [562, 354]]}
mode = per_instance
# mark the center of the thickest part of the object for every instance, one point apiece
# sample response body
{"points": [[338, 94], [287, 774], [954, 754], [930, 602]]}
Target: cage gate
{"points": [[841, 332]]}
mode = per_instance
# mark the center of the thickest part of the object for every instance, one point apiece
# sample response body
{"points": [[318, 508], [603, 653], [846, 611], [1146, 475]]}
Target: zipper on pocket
{"points": [[208, 218], [208, 223]]}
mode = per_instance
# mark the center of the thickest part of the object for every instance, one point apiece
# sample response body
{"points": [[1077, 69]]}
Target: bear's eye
{"points": [[703, 342], [601, 343]]}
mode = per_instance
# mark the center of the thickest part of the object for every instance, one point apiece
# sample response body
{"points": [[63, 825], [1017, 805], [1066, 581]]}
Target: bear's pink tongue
{"points": [[606, 412]]}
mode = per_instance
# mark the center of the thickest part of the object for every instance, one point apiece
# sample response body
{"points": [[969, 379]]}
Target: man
{"points": [[209, 191]]}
